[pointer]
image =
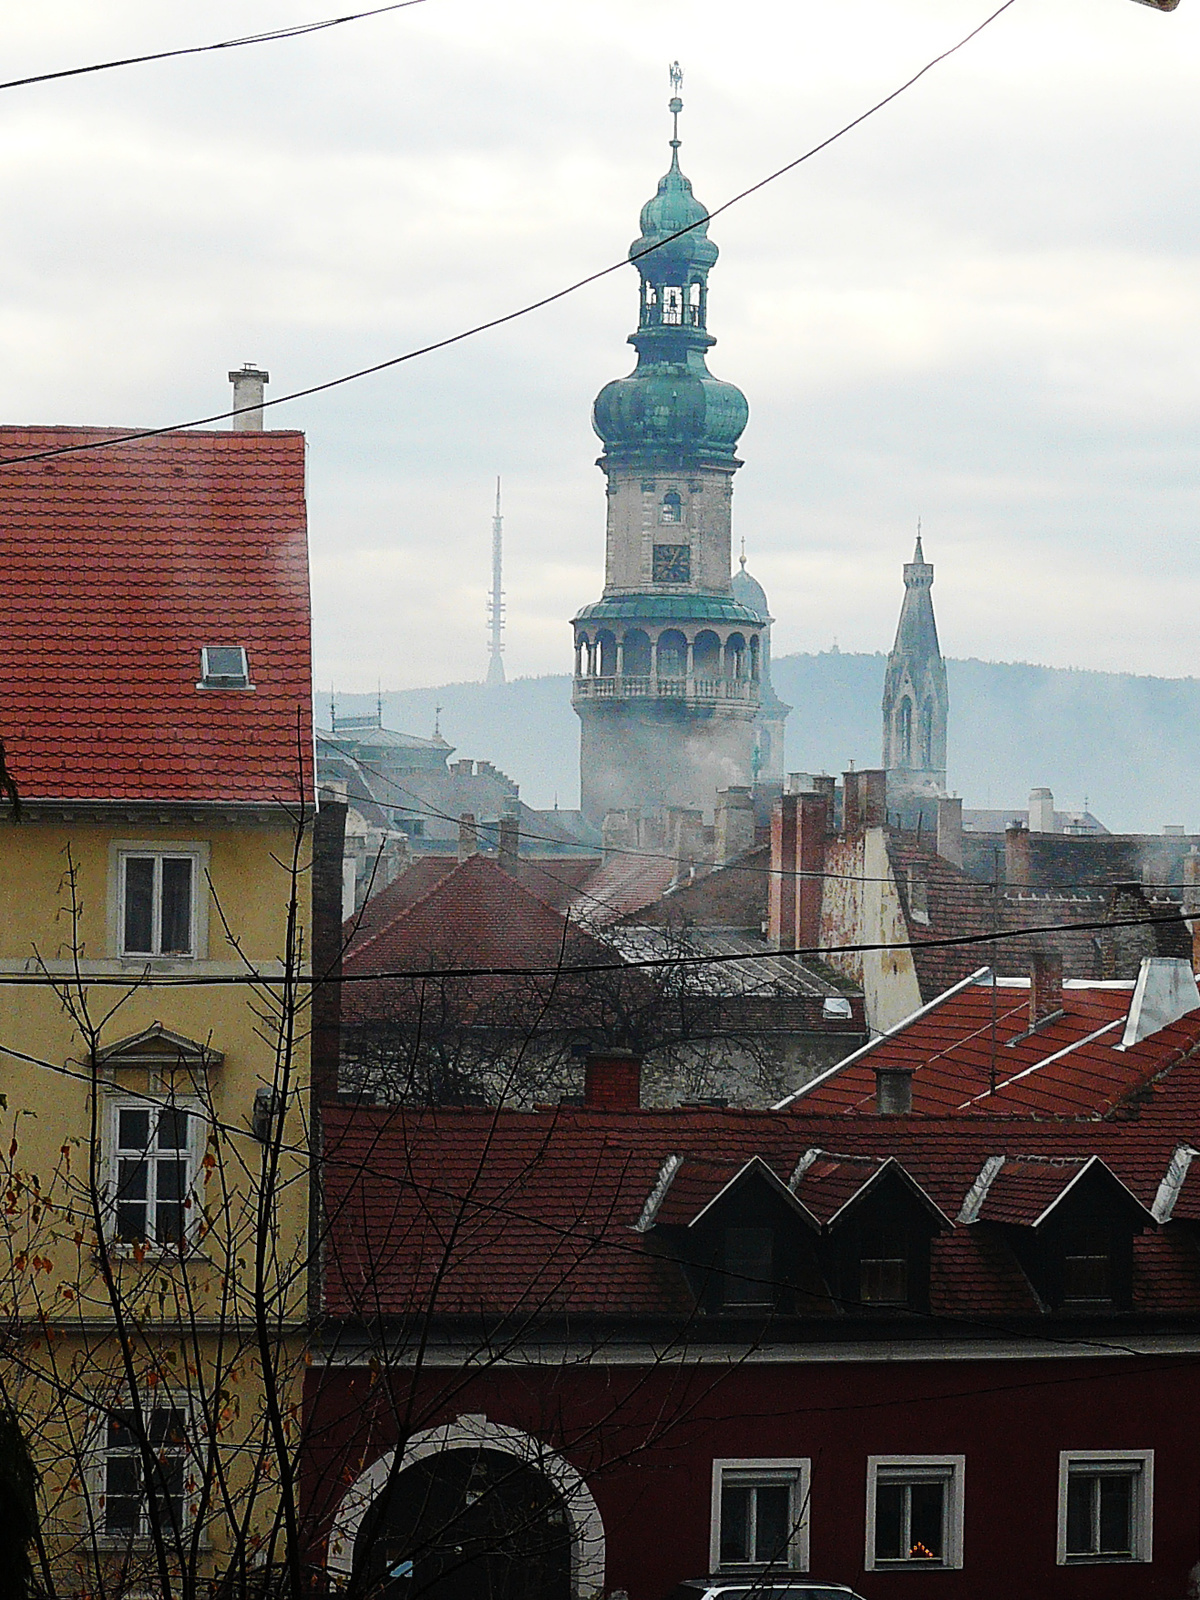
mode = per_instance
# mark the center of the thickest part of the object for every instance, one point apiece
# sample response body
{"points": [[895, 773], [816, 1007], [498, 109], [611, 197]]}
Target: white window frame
{"points": [[198, 852], [210, 680], [950, 1470], [1140, 1464], [795, 1470], [97, 1476], [193, 1156]]}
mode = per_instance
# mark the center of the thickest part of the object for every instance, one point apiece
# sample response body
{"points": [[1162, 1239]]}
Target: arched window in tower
{"points": [[637, 654], [735, 656], [672, 305], [671, 509], [706, 656], [606, 654], [926, 740], [754, 658], [695, 314], [904, 733], [672, 654], [649, 303]]}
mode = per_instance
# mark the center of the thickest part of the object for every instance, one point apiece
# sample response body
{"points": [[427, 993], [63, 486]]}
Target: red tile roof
{"points": [[977, 1034], [474, 915], [539, 1212], [116, 567]]}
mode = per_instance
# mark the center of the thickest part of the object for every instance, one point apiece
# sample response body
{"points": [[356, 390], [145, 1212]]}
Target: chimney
{"points": [[781, 886], [872, 797], [1018, 868], [811, 829], [850, 821], [950, 830], [510, 842], [893, 1091], [824, 784], [735, 822], [1045, 986], [613, 1081], [248, 385], [1041, 811], [468, 838]]}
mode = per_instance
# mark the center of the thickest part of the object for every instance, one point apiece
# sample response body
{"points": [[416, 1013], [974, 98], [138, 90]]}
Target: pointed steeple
{"points": [[915, 699]]}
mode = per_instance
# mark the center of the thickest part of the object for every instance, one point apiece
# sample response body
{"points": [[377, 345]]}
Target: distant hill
{"points": [[1129, 745]]}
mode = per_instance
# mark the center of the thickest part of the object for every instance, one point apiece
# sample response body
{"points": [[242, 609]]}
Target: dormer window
{"points": [[883, 1267], [1087, 1266], [224, 667], [749, 1261]]}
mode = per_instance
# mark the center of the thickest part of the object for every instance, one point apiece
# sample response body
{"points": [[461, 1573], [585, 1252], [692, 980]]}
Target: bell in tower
{"points": [[668, 663]]}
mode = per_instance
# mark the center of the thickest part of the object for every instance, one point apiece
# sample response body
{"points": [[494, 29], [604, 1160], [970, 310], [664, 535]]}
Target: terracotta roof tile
{"points": [[116, 567]]}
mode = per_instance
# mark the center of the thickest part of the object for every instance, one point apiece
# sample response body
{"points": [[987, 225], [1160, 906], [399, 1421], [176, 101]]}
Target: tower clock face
{"points": [[672, 563]]}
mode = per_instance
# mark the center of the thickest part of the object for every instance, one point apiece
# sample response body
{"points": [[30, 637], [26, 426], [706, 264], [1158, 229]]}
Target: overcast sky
{"points": [[981, 308]]}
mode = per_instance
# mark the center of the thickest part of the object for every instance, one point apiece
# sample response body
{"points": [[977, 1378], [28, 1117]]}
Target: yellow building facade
{"points": [[155, 963]]}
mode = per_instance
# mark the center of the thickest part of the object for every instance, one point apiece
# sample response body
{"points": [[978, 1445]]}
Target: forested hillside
{"points": [[1129, 745]]}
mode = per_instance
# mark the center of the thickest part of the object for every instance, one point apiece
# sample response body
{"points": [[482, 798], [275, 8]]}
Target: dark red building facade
{"points": [[580, 1352]]}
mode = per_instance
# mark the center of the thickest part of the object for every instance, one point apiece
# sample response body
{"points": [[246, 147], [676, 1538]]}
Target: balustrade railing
{"points": [[631, 687]]}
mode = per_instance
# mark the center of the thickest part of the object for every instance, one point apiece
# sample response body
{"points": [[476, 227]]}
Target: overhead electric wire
{"points": [[521, 311], [295, 31], [148, 979]]}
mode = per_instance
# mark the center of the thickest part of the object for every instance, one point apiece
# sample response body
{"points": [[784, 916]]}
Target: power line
{"points": [[296, 31], [521, 311], [148, 979]]}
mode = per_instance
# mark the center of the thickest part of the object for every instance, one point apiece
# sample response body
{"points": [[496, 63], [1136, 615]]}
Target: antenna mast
{"points": [[495, 671]]}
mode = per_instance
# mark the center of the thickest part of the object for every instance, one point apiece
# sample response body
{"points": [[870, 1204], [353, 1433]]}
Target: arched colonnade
{"points": [[697, 656]]}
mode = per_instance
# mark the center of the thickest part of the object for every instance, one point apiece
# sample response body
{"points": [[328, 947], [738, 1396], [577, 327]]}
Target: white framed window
{"points": [[760, 1514], [914, 1512], [133, 1493], [1105, 1506], [153, 1165], [158, 900], [224, 666]]}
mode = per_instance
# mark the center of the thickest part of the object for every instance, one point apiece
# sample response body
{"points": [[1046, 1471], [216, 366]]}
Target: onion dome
{"points": [[671, 408], [673, 209]]}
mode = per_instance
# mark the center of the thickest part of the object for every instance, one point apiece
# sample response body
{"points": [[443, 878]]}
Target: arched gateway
{"points": [[481, 1511]]}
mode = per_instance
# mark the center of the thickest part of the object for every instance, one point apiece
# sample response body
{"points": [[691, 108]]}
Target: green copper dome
{"points": [[673, 209], [670, 409], [673, 407]]}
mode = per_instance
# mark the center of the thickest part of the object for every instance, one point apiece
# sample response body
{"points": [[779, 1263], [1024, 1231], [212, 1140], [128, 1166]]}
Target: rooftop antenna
{"points": [[495, 671], [437, 722], [379, 700], [332, 709]]}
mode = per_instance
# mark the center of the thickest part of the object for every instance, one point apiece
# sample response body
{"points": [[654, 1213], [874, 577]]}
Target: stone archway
{"points": [[476, 1436]]}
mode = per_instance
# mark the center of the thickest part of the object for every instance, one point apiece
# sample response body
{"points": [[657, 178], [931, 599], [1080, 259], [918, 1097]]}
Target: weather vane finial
{"points": [[675, 104]]}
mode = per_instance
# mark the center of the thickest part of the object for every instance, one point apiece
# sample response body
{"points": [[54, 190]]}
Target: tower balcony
{"points": [[694, 691]]}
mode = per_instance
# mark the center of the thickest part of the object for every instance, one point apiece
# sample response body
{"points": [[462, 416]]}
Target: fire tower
{"points": [[668, 662]]}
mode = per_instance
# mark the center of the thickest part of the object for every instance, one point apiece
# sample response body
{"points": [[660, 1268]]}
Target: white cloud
{"points": [[981, 307]]}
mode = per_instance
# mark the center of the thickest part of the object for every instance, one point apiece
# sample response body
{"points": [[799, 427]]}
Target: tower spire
{"points": [[495, 671], [675, 106]]}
